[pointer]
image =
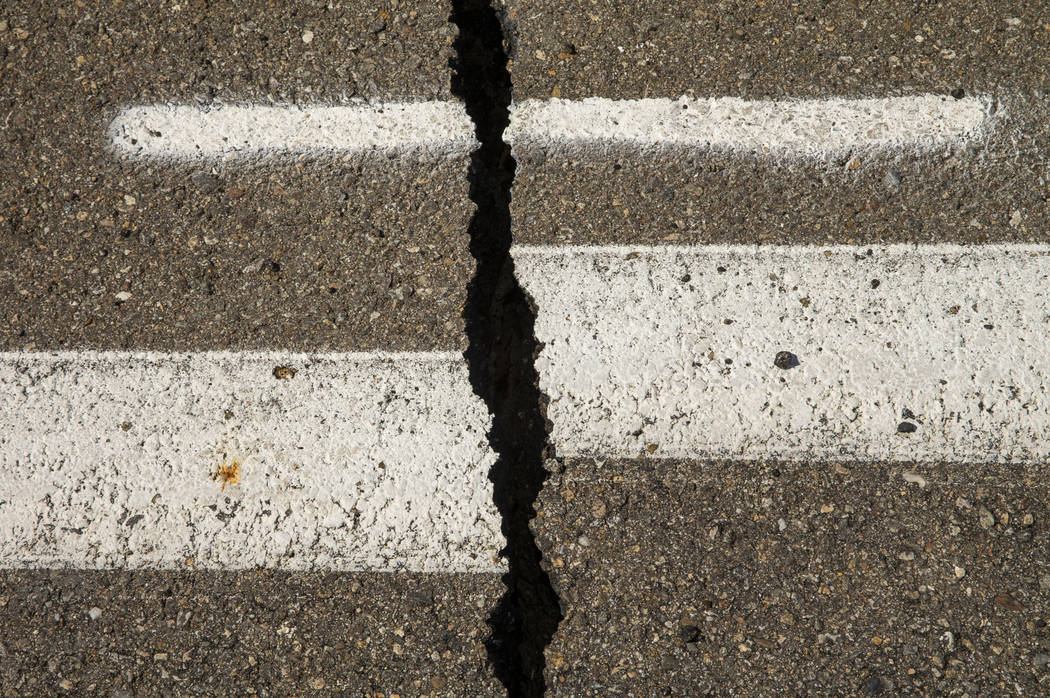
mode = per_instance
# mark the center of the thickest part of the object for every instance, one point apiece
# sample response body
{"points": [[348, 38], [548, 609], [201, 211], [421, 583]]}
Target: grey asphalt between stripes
{"points": [[825, 578], [264, 633], [300, 253], [681, 577]]}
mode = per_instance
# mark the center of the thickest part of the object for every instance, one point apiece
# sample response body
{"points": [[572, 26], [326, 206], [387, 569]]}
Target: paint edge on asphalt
{"points": [[790, 129], [178, 132], [557, 250], [356, 462], [906, 350]]}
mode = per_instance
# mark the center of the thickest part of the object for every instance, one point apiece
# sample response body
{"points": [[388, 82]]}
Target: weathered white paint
{"points": [[637, 340], [357, 462], [808, 128], [179, 132]]}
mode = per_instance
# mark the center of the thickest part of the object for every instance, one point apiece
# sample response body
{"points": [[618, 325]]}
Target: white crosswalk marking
{"points": [[242, 460], [671, 351], [793, 128], [179, 132]]}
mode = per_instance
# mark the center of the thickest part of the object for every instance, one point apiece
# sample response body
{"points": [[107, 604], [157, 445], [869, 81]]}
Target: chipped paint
{"points": [[363, 462]]}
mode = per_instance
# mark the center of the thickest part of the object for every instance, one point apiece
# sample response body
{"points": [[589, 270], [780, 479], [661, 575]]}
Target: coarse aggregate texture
{"points": [[989, 189], [299, 253], [350, 462], [993, 189], [683, 582], [629, 50], [818, 578], [264, 633], [305, 253], [901, 352]]}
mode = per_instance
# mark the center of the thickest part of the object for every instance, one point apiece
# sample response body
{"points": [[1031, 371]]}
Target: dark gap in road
{"points": [[501, 354]]}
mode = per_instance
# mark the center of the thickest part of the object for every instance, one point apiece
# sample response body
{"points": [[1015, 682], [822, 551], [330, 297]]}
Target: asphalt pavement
{"points": [[833, 575], [308, 252], [205, 319]]}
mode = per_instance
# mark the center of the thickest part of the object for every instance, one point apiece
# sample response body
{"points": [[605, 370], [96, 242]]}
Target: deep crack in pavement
{"points": [[499, 322]]}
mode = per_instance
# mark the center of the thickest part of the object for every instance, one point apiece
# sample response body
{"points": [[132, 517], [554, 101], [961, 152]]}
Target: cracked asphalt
{"points": [[303, 254], [675, 577], [681, 577]]}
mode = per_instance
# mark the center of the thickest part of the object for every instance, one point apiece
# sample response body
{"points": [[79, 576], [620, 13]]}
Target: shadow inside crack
{"points": [[501, 356]]}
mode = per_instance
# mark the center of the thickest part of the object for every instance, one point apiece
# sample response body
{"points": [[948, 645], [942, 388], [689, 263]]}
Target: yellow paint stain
{"points": [[228, 472]]}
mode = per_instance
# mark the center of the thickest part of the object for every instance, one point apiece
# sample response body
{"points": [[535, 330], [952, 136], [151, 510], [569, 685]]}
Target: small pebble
{"points": [[206, 182], [985, 518], [914, 478], [873, 686], [308, 36], [65, 685], [785, 360], [1008, 602], [94, 612], [906, 428], [892, 180], [959, 571]]}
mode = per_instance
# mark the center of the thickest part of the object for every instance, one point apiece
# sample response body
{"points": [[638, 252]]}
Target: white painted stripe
{"points": [[637, 340], [357, 462], [179, 132], [790, 128]]}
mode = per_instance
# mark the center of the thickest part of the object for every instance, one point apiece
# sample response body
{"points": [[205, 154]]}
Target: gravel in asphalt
{"points": [[308, 253], [165, 633], [765, 578], [298, 253], [994, 190], [756, 577]]}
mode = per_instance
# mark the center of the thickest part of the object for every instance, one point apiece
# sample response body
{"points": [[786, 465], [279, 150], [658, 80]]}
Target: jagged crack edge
{"points": [[501, 354]]}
